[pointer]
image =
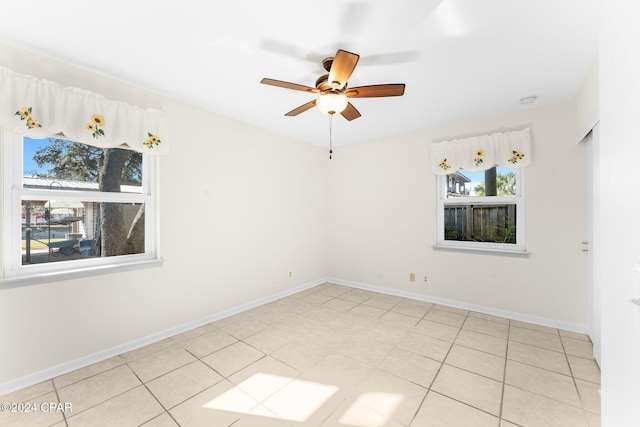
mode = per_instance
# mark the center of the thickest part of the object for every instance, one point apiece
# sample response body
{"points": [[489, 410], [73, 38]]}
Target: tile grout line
{"points": [[429, 390], [93, 376], [469, 405], [55, 390], [197, 359], [504, 372], [575, 384], [581, 407], [165, 410], [156, 399], [124, 362]]}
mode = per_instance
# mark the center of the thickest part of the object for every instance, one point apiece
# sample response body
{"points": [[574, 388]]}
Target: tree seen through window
{"points": [[81, 228]]}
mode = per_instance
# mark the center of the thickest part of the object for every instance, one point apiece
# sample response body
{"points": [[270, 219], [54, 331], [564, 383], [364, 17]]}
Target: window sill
{"points": [[518, 253], [58, 276]]}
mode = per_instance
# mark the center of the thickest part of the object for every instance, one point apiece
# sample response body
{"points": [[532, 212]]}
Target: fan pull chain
{"points": [[330, 136]]}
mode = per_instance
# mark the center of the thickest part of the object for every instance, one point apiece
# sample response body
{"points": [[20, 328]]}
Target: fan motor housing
{"points": [[327, 62], [323, 83]]}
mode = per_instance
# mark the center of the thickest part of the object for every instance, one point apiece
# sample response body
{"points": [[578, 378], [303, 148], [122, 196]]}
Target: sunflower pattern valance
{"points": [[40, 108], [477, 153]]}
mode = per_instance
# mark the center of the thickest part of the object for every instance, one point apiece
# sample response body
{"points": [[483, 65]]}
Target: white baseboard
{"points": [[542, 321], [63, 368]]}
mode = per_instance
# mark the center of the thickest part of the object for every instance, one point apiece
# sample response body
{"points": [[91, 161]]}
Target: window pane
{"points": [[59, 230], [55, 163], [480, 223], [474, 184]]}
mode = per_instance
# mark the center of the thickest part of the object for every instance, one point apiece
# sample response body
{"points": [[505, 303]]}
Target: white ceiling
{"points": [[460, 59]]}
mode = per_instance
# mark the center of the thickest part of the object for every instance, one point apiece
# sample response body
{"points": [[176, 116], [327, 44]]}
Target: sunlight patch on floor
{"points": [[274, 396], [371, 410]]}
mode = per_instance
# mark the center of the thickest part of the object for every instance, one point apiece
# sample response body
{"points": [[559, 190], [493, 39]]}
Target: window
{"points": [[66, 215], [482, 210], [92, 208], [481, 191]]}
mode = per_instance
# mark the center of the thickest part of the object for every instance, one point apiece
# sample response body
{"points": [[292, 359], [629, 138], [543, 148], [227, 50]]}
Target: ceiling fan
{"points": [[333, 93]]}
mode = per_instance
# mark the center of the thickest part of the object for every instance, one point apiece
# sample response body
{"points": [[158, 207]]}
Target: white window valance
{"points": [[478, 153], [40, 108]]}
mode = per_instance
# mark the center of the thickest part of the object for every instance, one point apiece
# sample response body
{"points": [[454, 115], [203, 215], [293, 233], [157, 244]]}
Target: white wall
{"points": [[382, 211], [263, 200], [619, 207], [587, 117], [239, 209]]}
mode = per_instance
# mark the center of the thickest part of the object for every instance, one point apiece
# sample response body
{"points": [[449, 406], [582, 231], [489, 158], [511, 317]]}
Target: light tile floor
{"points": [[335, 356]]}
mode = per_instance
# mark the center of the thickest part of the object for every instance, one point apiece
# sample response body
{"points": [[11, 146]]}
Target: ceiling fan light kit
{"points": [[333, 94], [331, 103]]}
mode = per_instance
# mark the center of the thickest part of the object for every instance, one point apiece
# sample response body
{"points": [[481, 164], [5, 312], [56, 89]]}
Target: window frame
{"points": [[13, 193], [519, 248]]}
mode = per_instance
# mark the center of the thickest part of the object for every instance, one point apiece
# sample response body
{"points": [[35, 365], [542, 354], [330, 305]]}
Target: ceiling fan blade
{"points": [[343, 65], [376, 91], [287, 85], [302, 108], [350, 113]]}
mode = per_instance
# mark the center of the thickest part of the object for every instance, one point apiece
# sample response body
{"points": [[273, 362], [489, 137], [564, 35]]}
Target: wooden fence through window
{"points": [[480, 223]]}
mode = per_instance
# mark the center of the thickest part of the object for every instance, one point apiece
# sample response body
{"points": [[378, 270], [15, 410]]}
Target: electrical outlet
{"points": [[290, 274], [425, 279], [412, 277]]}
